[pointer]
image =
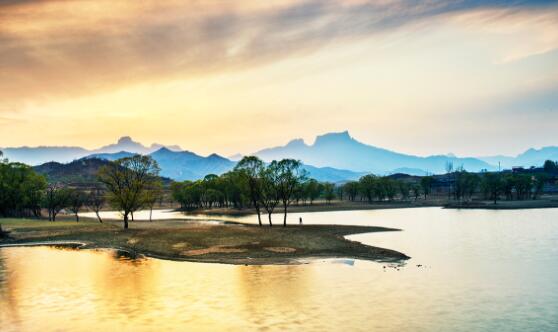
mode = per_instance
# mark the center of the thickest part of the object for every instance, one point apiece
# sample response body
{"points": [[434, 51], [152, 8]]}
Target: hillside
{"points": [[82, 171], [186, 165], [79, 172]]}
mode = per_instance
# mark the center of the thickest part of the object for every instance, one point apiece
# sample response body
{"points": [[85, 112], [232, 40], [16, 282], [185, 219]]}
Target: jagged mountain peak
{"points": [[336, 137], [297, 142]]}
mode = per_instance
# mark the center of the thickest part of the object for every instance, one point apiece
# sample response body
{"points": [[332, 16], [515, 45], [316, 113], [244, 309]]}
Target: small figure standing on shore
{"points": [[300, 221]]}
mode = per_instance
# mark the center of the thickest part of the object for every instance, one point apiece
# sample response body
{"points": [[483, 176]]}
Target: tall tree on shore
{"points": [[250, 168], [351, 189], [55, 199], [368, 184], [152, 195], [329, 192], [269, 193], [426, 185], [312, 190], [449, 172], [492, 185], [96, 201], [21, 190], [540, 180], [289, 175], [550, 167], [127, 181], [76, 200]]}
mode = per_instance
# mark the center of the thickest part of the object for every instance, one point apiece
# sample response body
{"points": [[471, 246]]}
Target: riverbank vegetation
{"points": [[254, 185], [131, 184]]}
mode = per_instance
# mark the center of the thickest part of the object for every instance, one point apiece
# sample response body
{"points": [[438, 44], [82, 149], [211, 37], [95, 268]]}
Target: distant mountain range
{"points": [[186, 165], [63, 154], [340, 150], [531, 157], [179, 165], [332, 157]]}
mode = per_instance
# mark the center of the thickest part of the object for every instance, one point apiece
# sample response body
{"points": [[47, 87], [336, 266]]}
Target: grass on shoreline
{"points": [[230, 243]]}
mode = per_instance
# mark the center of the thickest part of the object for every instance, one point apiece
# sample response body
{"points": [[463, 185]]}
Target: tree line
{"points": [[128, 185], [252, 183], [373, 188], [133, 183]]}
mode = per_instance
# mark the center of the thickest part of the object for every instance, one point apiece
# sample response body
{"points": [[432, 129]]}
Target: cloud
{"points": [[59, 48]]}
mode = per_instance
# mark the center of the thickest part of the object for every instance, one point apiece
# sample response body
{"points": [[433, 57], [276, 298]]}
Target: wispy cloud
{"points": [[56, 47]]}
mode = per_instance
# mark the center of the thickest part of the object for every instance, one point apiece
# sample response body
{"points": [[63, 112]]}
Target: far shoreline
{"points": [[362, 206]]}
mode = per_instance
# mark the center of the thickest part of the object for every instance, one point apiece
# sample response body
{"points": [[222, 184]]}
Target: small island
{"points": [[183, 240]]}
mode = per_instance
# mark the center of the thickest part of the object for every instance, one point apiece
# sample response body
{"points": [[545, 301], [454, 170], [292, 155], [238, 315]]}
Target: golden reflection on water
{"points": [[95, 290], [481, 271], [79, 290]]}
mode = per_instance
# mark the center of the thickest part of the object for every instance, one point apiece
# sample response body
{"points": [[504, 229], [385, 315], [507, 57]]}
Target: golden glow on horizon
{"points": [[419, 88]]}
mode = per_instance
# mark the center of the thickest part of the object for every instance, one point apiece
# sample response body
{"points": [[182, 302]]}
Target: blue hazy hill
{"points": [[340, 150]]}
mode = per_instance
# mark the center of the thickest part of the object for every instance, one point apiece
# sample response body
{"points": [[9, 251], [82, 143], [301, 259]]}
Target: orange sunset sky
{"points": [[422, 77]]}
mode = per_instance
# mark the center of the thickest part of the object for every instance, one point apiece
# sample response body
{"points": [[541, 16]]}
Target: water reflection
{"points": [[479, 270], [274, 296]]}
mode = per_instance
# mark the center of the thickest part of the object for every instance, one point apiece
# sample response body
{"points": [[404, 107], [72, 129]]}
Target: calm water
{"points": [[481, 271]]}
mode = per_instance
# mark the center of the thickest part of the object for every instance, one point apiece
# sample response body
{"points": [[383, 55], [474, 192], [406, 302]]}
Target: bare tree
{"points": [[55, 199], [153, 194], [127, 180], [76, 201], [449, 171], [96, 201]]}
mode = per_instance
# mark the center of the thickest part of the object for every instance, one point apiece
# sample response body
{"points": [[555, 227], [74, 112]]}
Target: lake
{"points": [[471, 270]]}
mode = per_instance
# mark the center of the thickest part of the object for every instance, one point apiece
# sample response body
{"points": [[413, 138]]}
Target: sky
{"points": [[472, 78]]}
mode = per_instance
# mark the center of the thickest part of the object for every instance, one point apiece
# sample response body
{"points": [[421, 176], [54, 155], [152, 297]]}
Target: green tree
{"points": [[339, 192], [390, 187], [540, 180], [250, 168], [329, 192], [351, 188], [550, 167], [127, 180], [235, 188], [426, 183], [415, 188], [21, 190], [312, 190], [465, 184], [368, 185], [404, 189], [269, 189], [492, 185], [289, 175]]}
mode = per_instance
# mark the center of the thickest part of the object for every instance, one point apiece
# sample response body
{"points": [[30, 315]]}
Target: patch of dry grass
{"points": [[228, 243]]}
